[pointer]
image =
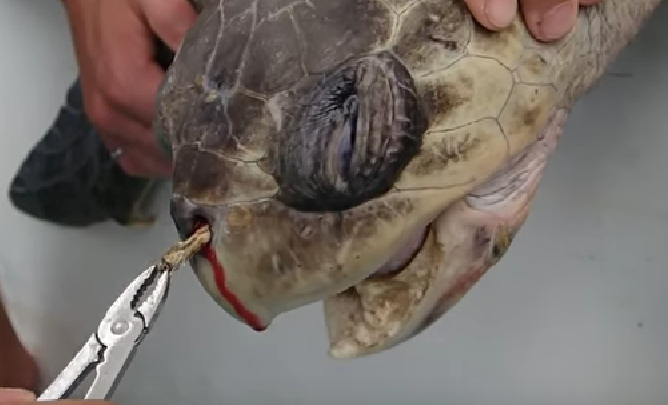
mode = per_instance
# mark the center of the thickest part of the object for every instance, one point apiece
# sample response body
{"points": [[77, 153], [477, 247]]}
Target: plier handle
{"points": [[110, 349]]}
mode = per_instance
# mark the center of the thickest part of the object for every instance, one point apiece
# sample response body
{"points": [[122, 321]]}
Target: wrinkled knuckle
{"points": [[170, 19], [130, 167], [115, 84], [172, 10]]}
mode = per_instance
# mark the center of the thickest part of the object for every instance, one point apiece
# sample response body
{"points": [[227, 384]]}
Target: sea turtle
{"points": [[379, 155]]}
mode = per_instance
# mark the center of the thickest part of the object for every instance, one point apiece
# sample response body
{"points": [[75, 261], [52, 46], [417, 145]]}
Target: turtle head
{"points": [[297, 185], [308, 159], [289, 157]]}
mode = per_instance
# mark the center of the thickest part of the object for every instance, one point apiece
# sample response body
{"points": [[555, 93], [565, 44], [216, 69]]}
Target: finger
{"points": [[132, 89], [135, 94], [141, 163], [147, 159], [549, 20], [126, 72], [169, 19], [74, 402], [149, 163], [115, 126], [15, 396], [493, 14]]}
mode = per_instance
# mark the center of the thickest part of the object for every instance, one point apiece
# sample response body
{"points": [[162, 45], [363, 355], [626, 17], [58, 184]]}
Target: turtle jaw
{"points": [[382, 312], [403, 257], [374, 300], [380, 303], [211, 273], [461, 245]]}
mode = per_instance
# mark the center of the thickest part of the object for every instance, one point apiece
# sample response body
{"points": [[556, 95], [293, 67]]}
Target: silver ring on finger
{"points": [[116, 153]]}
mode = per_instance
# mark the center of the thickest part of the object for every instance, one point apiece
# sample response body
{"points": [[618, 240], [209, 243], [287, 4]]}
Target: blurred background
{"points": [[573, 314]]}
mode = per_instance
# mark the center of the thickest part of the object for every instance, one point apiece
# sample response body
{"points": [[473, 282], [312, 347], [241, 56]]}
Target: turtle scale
{"points": [[433, 38], [485, 97]]}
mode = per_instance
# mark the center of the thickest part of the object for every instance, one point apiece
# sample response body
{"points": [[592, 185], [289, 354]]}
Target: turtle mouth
{"points": [[208, 253], [395, 265], [187, 225], [389, 305], [188, 217], [403, 258]]}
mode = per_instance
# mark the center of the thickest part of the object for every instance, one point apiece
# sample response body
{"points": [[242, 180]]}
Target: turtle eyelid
{"points": [[349, 135]]}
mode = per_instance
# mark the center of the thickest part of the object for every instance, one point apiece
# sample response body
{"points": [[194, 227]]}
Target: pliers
{"points": [[111, 348]]}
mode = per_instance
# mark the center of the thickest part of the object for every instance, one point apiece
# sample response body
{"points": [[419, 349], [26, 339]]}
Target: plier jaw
{"points": [[110, 349]]}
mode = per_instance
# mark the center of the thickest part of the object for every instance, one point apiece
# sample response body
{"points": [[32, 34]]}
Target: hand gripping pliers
{"points": [[110, 349]]}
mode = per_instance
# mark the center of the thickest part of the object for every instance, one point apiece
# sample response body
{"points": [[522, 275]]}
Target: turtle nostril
{"points": [[187, 216], [183, 213]]}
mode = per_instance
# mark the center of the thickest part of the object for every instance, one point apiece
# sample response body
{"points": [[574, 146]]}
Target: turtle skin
{"points": [[70, 178], [363, 153]]}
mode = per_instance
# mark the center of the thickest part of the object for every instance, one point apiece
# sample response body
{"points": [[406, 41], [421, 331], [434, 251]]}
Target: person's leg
{"points": [[18, 369]]}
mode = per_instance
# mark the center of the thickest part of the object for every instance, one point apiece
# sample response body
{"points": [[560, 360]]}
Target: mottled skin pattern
{"points": [[319, 138]]}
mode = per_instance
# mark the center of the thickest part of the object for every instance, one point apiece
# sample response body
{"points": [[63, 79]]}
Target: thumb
{"points": [[493, 14], [550, 20], [10, 396], [169, 19]]}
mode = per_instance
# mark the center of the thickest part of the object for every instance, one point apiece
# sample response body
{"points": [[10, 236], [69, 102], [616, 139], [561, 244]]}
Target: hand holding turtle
{"points": [[548, 20], [115, 43]]}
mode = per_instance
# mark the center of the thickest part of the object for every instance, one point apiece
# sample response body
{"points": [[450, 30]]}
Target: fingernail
{"points": [[9, 395], [557, 21], [500, 13]]}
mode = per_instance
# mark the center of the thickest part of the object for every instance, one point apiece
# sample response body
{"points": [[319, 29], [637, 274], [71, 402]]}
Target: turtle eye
{"points": [[348, 135]]}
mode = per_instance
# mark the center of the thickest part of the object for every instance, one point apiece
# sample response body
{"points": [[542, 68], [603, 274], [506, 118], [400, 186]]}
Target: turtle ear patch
{"points": [[350, 136]]}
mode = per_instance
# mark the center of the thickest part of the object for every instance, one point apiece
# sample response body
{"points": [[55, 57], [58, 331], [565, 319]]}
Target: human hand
{"points": [[547, 20], [17, 367], [115, 44], [15, 396]]}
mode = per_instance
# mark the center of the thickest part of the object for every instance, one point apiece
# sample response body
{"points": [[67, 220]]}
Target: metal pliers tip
{"points": [[110, 349]]}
